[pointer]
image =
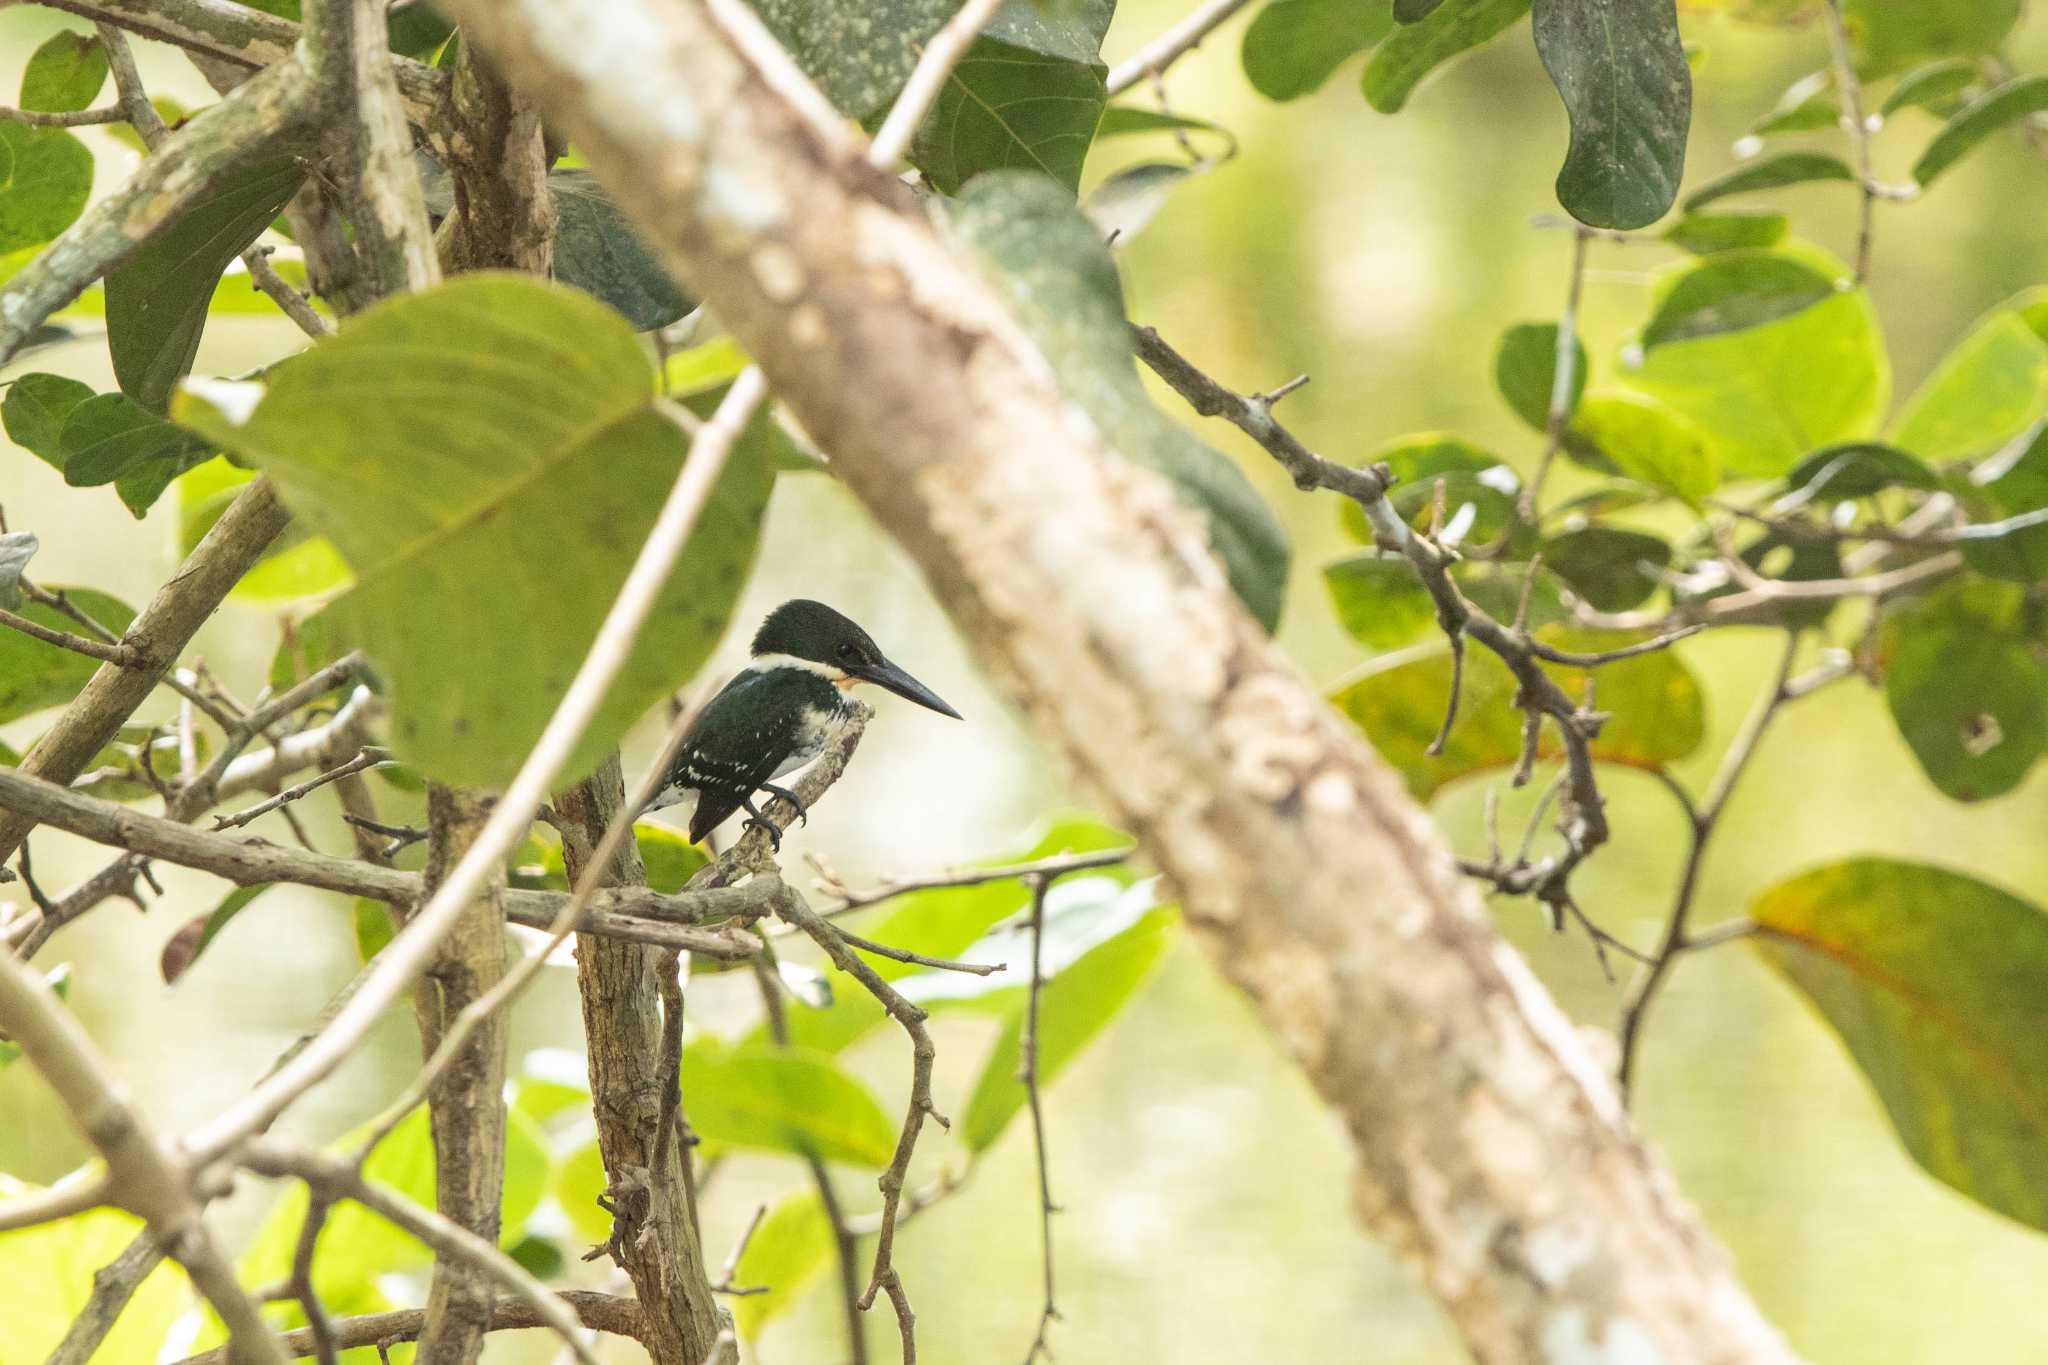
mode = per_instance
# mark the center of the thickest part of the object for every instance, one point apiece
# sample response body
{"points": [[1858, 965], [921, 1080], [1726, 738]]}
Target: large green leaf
{"points": [[1969, 699], [1650, 443], [1932, 979], [49, 1270], [1733, 290], [1292, 46], [1771, 392], [64, 73], [599, 252], [1979, 119], [793, 1243], [1658, 712], [783, 1099], [110, 438], [1771, 173], [34, 675], [492, 448], [1525, 371], [1987, 390], [1060, 279], [1006, 107], [1620, 69], [1412, 51], [1074, 1005], [1609, 567], [157, 299], [1891, 35], [47, 179]]}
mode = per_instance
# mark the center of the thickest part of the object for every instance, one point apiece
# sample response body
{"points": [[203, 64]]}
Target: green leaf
{"points": [[1650, 443], [1610, 568], [793, 1243], [373, 926], [1977, 120], [1731, 291], [298, 564], [1987, 390], [1415, 50], [34, 675], [1809, 103], [64, 73], [1479, 488], [1771, 173], [1890, 35], [35, 410], [522, 414], [1123, 205], [1768, 394], [1123, 120], [49, 1270], [1038, 249], [1007, 107], [1621, 71], [358, 1247], [783, 1099], [1933, 86], [1705, 233], [157, 299], [1856, 469], [1931, 978], [110, 436], [1972, 706], [1789, 559], [599, 252], [1525, 371], [1380, 602], [1414, 11], [183, 948], [50, 181], [1292, 46], [579, 1179], [2010, 484], [1074, 1005], [670, 858], [1657, 709]]}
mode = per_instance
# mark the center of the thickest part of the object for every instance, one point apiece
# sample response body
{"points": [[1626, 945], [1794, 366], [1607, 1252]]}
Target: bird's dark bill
{"points": [[886, 674]]}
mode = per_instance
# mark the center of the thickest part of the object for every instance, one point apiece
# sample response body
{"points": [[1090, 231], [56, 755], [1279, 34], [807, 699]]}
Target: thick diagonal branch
{"points": [[1491, 1146]]}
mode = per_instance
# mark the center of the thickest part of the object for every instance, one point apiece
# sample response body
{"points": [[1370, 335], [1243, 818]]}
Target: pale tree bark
{"points": [[1492, 1148]]}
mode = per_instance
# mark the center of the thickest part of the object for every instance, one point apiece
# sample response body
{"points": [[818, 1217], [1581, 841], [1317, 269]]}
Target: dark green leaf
{"points": [[784, 1099], [1933, 86], [110, 434], [2010, 484], [516, 405], [793, 1243], [538, 1257], [1987, 390], [1705, 233], [1891, 35], [1932, 980], [1525, 371], [1006, 107], [1658, 713], [64, 73], [35, 410], [1123, 205], [1621, 71], [1731, 291], [1122, 120], [1650, 443], [1035, 245], [1415, 50], [1977, 120], [1479, 488], [599, 252], [1776, 172], [1808, 103], [1074, 1005], [1854, 470], [157, 299], [1414, 11], [1609, 568], [1973, 707], [1292, 46], [34, 675], [1379, 601], [50, 181], [183, 948], [1791, 559]]}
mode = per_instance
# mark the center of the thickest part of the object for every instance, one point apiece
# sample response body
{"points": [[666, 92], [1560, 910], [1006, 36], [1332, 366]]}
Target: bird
{"points": [[778, 713]]}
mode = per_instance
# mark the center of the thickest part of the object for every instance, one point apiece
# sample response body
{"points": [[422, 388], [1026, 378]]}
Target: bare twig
{"points": [[362, 762], [927, 78], [1851, 92], [724, 1284], [1027, 1073], [1170, 46], [1058, 865], [119, 655], [601, 1312], [58, 1201], [1562, 379], [894, 954], [73, 118]]}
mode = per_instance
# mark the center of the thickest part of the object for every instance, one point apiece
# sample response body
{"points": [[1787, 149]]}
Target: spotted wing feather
{"points": [[740, 741]]}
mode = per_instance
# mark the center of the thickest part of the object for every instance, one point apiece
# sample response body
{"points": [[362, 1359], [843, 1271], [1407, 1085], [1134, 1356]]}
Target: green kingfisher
{"points": [[777, 714]]}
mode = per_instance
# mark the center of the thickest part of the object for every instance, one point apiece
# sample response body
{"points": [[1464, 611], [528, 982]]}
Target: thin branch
{"points": [[119, 655], [1058, 865], [1027, 1073], [1851, 92], [1563, 377], [414, 947], [300, 1286], [362, 762], [72, 118], [895, 954], [724, 1284], [921, 91], [600, 1312], [113, 1284], [57, 1201], [1170, 46], [1575, 659]]}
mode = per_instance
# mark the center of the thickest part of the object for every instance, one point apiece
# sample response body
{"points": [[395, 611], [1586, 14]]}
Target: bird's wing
{"points": [[746, 731]]}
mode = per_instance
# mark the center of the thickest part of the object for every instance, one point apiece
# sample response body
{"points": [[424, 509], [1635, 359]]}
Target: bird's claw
{"points": [[769, 828], [803, 813]]}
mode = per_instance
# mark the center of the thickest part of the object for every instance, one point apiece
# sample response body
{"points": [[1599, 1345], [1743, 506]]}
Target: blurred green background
{"points": [[1205, 1192]]}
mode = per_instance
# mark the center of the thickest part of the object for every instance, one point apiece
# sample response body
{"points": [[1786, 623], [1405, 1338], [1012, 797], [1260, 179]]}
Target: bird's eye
{"points": [[850, 653]]}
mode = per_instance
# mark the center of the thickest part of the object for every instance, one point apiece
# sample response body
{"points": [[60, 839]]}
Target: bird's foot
{"points": [[803, 813], [767, 827]]}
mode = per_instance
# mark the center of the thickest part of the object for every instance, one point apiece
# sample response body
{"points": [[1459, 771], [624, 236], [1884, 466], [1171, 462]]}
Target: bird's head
{"points": [[816, 635]]}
